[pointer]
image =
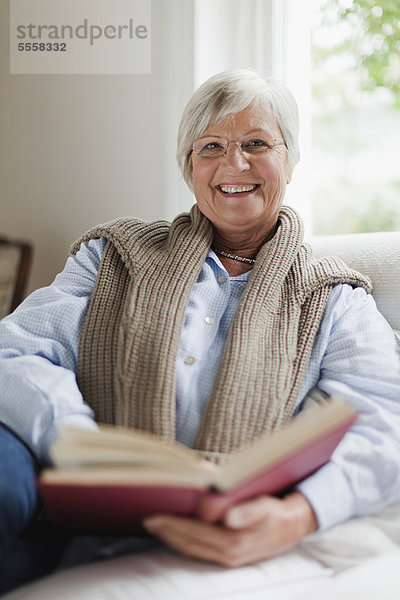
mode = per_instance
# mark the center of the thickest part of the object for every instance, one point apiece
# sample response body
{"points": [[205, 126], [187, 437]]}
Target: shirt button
{"points": [[221, 279], [209, 320], [189, 360]]}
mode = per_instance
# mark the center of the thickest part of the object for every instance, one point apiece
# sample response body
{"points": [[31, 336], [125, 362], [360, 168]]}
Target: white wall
{"points": [[77, 150]]}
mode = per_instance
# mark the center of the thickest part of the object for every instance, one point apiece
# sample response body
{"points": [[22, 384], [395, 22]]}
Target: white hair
{"points": [[228, 93]]}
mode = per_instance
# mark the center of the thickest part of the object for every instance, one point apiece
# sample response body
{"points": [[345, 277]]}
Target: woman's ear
{"points": [[289, 172]]}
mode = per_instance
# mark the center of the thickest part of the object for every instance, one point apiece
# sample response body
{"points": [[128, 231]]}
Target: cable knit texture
{"points": [[130, 337]]}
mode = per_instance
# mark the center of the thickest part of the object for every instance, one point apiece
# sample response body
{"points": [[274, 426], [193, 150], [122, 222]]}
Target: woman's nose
{"points": [[235, 157]]}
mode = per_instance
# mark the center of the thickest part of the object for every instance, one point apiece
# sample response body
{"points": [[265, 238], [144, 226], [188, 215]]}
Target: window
{"points": [[355, 116]]}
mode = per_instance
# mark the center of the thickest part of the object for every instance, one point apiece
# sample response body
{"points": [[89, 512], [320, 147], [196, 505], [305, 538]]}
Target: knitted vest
{"points": [[130, 337]]}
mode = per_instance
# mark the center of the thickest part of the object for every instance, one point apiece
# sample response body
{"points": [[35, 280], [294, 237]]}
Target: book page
{"points": [[116, 446], [199, 477]]}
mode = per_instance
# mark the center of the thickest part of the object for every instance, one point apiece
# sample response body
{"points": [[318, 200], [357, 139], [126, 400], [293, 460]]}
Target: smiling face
{"points": [[242, 192]]}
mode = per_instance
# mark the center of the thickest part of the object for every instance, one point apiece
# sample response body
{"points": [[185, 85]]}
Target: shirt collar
{"points": [[214, 258]]}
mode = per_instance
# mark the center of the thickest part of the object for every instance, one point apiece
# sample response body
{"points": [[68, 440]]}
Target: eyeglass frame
{"points": [[226, 143]]}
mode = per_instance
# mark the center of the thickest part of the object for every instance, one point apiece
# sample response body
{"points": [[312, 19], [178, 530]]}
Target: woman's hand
{"points": [[255, 530]]}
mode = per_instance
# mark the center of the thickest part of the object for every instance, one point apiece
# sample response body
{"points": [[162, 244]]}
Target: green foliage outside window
{"points": [[374, 41], [356, 69]]}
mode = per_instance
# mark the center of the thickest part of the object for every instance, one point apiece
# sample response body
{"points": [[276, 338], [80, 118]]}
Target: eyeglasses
{"points": [[211, 147]]}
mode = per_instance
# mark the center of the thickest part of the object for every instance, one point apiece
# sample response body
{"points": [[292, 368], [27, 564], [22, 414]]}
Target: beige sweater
{"points": [[130, 337]]}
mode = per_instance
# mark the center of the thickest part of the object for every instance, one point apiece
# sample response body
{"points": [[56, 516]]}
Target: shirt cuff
{"points": [[330, 495]]}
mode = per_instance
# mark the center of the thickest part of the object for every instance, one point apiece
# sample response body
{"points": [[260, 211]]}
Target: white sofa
{"points": [[376, 255], [360, 558]]}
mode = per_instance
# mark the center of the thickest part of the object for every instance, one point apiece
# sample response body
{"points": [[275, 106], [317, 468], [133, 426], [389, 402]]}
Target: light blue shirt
{"points": [[356, 355]]}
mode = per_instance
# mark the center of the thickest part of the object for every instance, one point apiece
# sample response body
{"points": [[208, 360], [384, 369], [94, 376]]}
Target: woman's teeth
{"points": [[234, 189]]}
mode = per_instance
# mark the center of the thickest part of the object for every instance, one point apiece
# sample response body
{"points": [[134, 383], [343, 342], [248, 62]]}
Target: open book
{"points": [[107, 481]]}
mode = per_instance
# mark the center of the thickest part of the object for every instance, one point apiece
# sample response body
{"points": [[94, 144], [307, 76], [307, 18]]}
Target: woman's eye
{"points": [[256, 144], [212, 146]]}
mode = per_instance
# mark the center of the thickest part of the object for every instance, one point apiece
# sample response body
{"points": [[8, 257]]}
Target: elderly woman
{"points": [[210, 330]]}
